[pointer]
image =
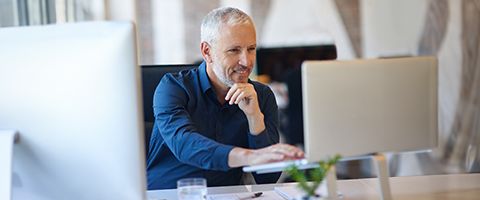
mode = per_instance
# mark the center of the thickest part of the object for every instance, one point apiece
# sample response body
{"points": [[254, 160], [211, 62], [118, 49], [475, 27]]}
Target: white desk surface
{"points": [[434, 187]]}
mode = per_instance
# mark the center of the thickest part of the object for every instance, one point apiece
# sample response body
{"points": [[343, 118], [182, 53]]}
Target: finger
{"points": [[248, 93], [231, 91], [268, 157], [240, 97], [282, 151], [296, 157], [275, 157], [297, 153], [235, 95], [289, 150]]}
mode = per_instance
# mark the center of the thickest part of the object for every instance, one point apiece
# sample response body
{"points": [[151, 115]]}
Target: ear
{"points": [[206, 52]]}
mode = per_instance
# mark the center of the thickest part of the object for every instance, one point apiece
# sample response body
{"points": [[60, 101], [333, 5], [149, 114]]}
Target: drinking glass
{"points": [[192, 189]]}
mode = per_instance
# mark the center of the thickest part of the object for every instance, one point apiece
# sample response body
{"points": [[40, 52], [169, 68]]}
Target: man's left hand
{"points": [[245, 96]]}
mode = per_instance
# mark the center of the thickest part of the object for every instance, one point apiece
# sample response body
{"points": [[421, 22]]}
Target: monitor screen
{"points": [[72, 92]]}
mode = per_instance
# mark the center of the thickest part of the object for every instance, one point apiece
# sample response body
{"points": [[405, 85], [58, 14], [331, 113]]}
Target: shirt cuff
{"points": [[260, 140], [220, 157]]}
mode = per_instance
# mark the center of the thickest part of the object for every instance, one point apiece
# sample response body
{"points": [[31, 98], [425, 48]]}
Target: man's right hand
{"points": [[278, 152]]}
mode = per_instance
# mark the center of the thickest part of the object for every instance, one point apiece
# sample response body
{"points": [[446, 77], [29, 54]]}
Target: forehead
{"points": [[237, 34]]}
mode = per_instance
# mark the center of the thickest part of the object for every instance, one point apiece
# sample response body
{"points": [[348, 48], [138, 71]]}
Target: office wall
{"points": [[279, 23], [306, 22]]}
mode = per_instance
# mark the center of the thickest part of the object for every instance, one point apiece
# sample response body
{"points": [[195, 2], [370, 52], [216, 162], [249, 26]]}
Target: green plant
{"points": [[315, 176]]}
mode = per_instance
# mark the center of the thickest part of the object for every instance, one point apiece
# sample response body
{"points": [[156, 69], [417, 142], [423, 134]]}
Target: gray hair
{"points": [[214, 20]]}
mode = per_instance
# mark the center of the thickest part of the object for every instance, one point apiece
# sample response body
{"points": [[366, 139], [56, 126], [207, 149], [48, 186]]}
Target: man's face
{"points": [[234, 53]]}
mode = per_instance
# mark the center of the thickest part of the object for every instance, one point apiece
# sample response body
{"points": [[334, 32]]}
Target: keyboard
{"points": [[279, 166]]}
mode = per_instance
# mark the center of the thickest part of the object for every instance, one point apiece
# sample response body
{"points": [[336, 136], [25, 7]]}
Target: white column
{"points": [[60, 11], [391, 27], [168, 31], [124, 10]]}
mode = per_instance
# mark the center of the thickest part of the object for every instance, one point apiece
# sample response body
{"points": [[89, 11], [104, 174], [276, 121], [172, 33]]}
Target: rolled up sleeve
{"points": [[269, 108], [180, 133]]}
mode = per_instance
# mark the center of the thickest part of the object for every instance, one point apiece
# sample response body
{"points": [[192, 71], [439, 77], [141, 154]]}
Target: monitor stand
{"points": [[7, 140], [332, 191], [380, 166]]}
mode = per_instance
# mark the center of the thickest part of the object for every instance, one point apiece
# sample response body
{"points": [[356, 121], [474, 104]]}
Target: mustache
{"points": [[241, 67]]}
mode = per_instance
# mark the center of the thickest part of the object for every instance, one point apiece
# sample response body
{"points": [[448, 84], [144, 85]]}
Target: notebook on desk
{"points": [[359, 107]]}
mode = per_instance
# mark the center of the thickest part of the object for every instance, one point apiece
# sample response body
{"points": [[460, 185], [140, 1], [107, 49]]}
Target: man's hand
{"points": [[241, 157], [245, 96]]}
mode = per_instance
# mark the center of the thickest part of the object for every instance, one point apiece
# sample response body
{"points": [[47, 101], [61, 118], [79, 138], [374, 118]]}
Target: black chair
{"points": [[151, 76]]}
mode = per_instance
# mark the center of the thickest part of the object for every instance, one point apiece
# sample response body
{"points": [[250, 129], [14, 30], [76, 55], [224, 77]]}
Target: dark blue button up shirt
{"points": [[193, 133]]}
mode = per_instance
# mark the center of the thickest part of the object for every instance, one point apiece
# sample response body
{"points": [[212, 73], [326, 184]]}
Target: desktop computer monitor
{"points": [[368, 106], [359, 107], [72, 92]]}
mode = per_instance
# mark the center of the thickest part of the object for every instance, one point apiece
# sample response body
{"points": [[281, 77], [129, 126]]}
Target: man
{"points": [[211, 120]]}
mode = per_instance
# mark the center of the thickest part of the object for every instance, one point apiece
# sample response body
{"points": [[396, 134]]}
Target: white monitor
{"points": [[72, 92], [367, 106]]}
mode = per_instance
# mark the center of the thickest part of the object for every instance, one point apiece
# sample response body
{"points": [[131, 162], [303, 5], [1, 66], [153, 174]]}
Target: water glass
{"points": [[192, 189]]}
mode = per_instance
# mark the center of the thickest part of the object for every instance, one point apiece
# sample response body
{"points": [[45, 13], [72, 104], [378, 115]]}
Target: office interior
{"points": [[168, 34]]}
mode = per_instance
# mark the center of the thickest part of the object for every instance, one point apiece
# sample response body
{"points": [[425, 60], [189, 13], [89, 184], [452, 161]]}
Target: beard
{"points": [[220, 73]]}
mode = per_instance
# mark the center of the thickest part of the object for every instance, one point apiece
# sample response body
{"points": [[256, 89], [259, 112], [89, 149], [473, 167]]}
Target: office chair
{"points": [[151, 76]]}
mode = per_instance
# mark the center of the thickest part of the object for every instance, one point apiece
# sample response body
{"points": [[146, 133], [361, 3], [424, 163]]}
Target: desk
{"points": [[435, 187]]}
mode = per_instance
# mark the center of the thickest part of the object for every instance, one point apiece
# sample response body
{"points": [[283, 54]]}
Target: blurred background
{"points": [[289, 32]]}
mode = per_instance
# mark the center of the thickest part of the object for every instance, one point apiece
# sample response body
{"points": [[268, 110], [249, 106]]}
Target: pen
{"points": [[252, 196], [257, 194]]}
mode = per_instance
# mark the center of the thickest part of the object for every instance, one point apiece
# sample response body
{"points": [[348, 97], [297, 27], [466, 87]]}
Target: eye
{"points": [[233, 50], [252, 49]]}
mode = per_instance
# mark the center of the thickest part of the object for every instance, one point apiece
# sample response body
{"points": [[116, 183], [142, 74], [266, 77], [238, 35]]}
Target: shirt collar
{"points": [[204, 80]]}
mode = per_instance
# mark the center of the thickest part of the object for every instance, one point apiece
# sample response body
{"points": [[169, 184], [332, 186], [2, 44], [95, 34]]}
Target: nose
{"points": [[246, 59]]}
